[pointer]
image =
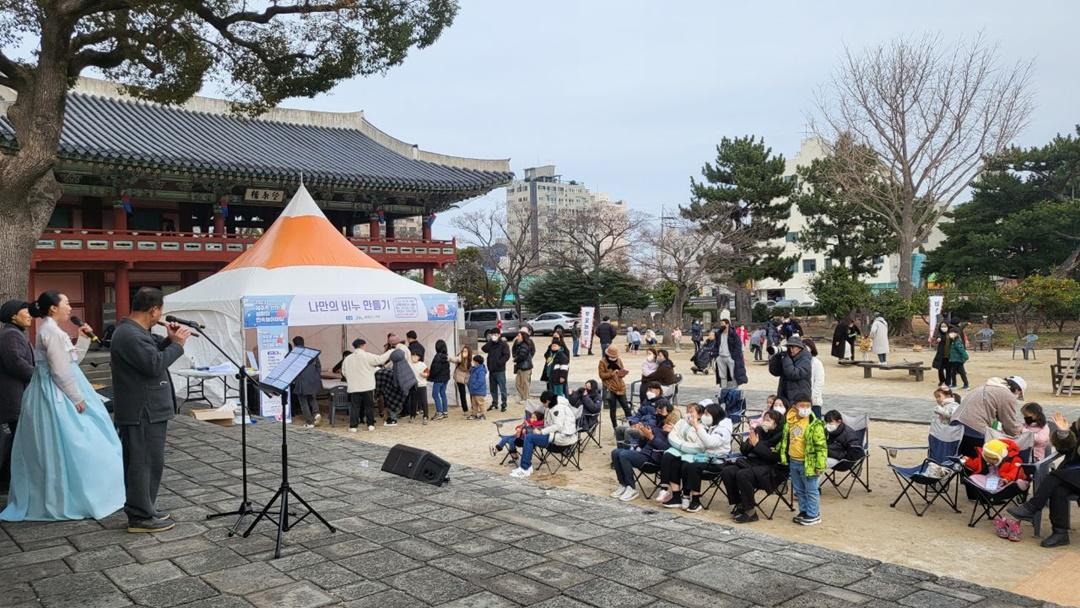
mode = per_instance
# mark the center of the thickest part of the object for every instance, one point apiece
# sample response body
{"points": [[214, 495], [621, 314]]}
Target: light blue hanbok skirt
{"points": [[64, 465]]}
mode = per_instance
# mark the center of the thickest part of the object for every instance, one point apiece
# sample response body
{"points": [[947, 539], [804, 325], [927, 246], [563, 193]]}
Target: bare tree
{"points": [[676, 253], [504, 244], [922, 117], [599, 238]]}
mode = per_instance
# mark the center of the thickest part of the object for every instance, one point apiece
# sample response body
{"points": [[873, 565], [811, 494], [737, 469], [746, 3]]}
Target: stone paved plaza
{"points": [[484, 540]]}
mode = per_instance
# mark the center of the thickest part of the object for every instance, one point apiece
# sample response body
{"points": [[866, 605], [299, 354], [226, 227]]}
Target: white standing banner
{"points": [[273, 344], [936, 304], [588, 314]]}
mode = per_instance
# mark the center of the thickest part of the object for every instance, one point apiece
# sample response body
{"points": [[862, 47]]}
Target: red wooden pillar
{"points": [[123, 291], [119, 218], [373, 229], [219, 224], [429, 276], [425, 231]]}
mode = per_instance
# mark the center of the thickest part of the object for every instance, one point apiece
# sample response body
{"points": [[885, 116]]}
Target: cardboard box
{"points": [[221, 416]]}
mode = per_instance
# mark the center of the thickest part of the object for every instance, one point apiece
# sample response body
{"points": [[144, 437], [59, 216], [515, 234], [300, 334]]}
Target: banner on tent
{"points": [[306, 310], [587, 320], [273, 343]]}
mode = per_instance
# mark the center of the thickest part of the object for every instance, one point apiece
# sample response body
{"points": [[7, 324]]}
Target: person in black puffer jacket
{"points": [[844, 444], [758, 469], [586, 402], [439, 377], [498, 353], [795, 370]]}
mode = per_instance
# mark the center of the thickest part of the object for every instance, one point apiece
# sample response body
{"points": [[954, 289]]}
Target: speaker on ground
{"points": [[418, 464]]}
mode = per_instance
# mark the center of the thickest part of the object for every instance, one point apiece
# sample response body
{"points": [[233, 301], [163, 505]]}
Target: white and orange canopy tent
{"points": [[305, 276]]}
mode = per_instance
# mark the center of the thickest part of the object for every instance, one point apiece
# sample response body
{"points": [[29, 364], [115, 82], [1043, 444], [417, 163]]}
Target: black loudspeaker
{"points": [[417, 464]]}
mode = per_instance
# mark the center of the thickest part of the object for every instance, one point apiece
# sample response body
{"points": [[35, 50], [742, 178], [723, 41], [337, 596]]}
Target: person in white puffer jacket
{"points": [[708, 431], [561, 429]]}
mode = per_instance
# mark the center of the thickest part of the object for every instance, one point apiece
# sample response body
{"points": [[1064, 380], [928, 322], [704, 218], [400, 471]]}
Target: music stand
{"points": [[277, 383]]}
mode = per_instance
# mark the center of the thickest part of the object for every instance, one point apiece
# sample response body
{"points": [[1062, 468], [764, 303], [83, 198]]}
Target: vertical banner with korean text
{"points": [[936, 303], [587, 314], [269, 317]]}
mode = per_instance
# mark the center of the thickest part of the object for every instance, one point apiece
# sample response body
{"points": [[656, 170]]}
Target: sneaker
{"points": [[685, 503], [810, 521], [150, 525], [663, 496], [1015, 535], [1001, 527], [353, 429], [798, 518], [694, 506], [318, 419], [309, 426], [424, 421], [746, 518], [618, 492], [390, 423], [630, 494], [521, 473], [370, 427], [1022, 511], [675, 502], [492, 407]]}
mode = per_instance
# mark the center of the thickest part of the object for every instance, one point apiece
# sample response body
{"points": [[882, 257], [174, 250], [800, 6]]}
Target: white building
{"points": [[809, 262], [549, 202]]}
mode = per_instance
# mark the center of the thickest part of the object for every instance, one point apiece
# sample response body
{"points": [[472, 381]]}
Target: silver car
{"points": [[486, 320], [550, 322]]}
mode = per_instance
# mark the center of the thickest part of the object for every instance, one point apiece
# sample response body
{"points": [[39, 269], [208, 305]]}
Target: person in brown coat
{"points": [[612, 373]]}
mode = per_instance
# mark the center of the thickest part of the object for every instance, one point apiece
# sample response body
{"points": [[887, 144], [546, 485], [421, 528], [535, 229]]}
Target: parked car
{"points": [[550, 322], [787, 303], [485, 320]]}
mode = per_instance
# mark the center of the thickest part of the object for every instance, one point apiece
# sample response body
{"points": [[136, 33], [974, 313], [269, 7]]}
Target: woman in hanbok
{"points": [[66, 461]]}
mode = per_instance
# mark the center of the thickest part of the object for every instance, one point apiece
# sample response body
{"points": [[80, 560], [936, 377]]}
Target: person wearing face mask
{"points": [[958, 356], [556, 368], [758, 469], [804, 449], [663, 372], [684, 442], [1062, 483], [652, 444], [842, 442], [713, 431], [498, 353], [941, 356], [727, 349], [997, 401], [795, 369], [612, 374]]}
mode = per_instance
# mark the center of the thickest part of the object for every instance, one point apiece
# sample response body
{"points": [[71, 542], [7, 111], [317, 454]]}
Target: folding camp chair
{"points": [[988, 504], [844, 474], [506, 428], [782, 492], [562, 455], [671, 391], [589, 429], [936, 476], [649, 471]]}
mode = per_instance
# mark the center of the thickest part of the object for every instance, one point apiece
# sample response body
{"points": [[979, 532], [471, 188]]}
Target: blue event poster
{"points": [[266, 311], [440, 307]]}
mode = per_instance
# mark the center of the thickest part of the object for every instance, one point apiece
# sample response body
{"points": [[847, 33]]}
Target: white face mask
{"points": [[804, 412], [650, 358], [706, 420], [651, 395], [493, 338], [768, 426], [779, 409], [831, 427]]}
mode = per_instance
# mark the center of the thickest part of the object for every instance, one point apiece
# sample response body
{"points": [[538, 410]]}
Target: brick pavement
{"points": [[483, 541]]}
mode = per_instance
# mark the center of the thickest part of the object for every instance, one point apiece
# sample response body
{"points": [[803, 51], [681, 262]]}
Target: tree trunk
{"points": [[1065, 268], [903, 272], [677, 306], [744, 313], [20, 229]]}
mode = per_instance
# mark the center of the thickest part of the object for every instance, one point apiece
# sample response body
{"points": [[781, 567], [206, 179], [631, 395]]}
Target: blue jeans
{"points": [[577, 341], [806, 489], [508, 443], [531, 441], [438, 393], [625, 462], [497, 386]]}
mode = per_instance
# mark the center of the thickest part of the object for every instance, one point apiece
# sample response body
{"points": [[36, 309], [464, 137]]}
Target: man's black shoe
{"points": [[150, 525], [1059, 538]]}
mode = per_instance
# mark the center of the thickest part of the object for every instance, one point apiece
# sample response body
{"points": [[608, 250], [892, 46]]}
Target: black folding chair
{"points": [[990, 503], [649, 471], [501, 428], [844, 474], [562, 455], [782, 492], [935, 476], [589, 425]]}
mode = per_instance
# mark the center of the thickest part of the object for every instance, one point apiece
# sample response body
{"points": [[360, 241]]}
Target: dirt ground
{"points": [[864, 524]]}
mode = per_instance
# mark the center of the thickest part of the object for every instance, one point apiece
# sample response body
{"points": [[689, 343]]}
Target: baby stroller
{"points": [[702, 359]]}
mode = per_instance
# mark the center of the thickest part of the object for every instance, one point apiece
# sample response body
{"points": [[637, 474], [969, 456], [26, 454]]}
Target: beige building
{"points": [[810, 262], [542, 201]]}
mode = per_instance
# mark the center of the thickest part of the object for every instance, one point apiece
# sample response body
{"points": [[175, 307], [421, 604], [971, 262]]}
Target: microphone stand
{"points": [[245, 507]]}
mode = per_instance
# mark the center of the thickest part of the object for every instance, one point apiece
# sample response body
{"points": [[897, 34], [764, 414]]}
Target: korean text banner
{"points": [[306, 310]]}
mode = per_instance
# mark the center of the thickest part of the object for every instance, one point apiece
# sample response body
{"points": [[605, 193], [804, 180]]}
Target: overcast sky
{"points": [[632, 97]]}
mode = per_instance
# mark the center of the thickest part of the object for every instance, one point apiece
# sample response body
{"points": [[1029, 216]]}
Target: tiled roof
{"points": [[124, 131]]}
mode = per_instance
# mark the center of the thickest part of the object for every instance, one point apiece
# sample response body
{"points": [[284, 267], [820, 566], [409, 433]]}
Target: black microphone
{"points": [[77, 322], [172, 319]]}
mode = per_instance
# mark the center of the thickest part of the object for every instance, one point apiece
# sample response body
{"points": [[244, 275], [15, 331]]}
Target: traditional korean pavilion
{"points": [[164, 196]]}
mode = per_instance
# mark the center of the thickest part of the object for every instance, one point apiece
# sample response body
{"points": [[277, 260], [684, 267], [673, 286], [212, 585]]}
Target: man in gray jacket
{"points": [[795, 370], [143, 404], [16, 370]]}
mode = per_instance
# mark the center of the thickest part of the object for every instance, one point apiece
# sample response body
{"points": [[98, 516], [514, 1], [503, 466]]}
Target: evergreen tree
{"points": [[1023, 218], [743, 203]]}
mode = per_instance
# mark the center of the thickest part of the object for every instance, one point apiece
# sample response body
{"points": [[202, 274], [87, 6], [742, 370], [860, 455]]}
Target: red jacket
{"points": [[1008, 469]]}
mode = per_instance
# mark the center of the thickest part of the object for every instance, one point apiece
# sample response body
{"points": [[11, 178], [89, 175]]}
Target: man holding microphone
{"points": [[143, 404]]}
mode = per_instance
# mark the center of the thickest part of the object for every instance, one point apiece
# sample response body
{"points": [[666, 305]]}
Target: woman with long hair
{"points": [[66, 461], [462, 366]]}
